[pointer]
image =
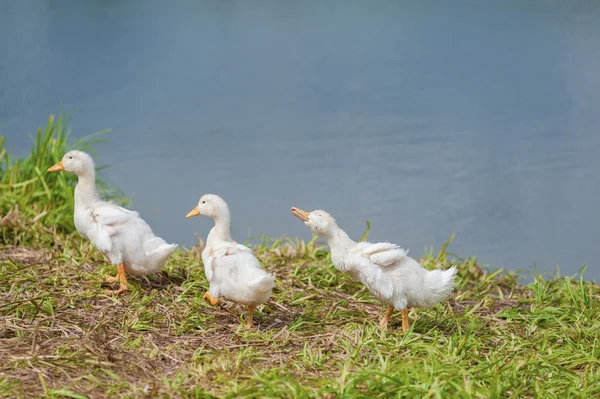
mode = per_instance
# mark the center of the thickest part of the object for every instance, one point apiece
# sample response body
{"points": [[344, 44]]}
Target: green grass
{"points": [[61, 336], [28, 190]]}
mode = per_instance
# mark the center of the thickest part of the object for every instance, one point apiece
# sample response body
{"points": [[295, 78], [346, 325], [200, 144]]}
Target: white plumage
{"points": [[394, 277], [120, 234], [235, 274], [123, 237], [231, 269], [384, 268]]}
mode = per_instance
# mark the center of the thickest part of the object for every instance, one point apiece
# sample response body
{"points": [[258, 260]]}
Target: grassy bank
{"points": [[61, 336], [31, 192]]}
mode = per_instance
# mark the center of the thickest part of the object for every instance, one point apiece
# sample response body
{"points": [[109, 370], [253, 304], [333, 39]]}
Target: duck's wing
{"points": [[383, 254], [223, 255], [230, 248], [107, 221], [372, 260], [107, 214]]}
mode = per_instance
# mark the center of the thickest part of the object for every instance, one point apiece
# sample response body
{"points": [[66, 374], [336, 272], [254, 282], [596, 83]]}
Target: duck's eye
{"points": [[70, 157], [204, 202]]}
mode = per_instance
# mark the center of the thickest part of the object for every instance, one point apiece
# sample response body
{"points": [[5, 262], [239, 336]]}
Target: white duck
{"points": [[231, 269], [384, 268], [120, 234]]}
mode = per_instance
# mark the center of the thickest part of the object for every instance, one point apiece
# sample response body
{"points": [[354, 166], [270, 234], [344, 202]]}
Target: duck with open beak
{"points": [[300, 214], [385, 269]]}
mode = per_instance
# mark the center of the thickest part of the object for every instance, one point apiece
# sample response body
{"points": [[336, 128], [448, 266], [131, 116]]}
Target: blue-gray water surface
{"points": [[478, 117]]}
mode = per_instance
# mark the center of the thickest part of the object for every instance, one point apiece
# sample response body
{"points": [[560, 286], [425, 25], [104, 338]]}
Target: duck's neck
{"points": [[338, 241], [85, 191], [221, 231]]}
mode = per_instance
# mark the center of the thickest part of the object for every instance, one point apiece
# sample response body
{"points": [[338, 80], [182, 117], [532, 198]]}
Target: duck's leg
{"points": [[388, 315], [120, 277], [250, 313], [405, 324], [111, 279], [210, 299]]}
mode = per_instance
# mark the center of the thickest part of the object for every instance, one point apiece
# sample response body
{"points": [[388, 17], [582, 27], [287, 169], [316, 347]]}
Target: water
{"points": [[479, 117]]}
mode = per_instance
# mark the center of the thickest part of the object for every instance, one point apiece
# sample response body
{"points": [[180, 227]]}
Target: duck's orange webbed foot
{"points": [[120, 277], [122, 289]]}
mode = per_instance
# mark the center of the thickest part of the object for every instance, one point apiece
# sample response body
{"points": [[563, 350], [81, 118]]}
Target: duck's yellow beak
{"points": [[56, 168], [300, 214], [193, 212]]}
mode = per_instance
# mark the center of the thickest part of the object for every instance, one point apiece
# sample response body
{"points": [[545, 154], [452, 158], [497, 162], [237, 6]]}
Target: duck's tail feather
{"points": [[438, 285], [158, 251], [263, 283]]}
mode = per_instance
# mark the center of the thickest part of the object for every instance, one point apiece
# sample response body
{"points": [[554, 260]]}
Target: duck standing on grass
{"points": [[384, 268], [231, 269], [120, 234]]}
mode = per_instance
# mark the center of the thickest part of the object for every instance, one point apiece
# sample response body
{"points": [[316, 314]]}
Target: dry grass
{"points": [[61, 336]]}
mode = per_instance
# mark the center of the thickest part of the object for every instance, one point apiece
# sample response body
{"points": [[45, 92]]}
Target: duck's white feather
{"points": [[357, 263], [235, 273], [219, 250], [123, 236], [394, 277], [383, 254], [109, 214], [119, 233], [384, 268], [232, 269]]}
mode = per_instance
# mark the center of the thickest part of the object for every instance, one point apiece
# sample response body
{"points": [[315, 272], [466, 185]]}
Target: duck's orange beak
{"points": [[193, 212], [300, 214], [56, 168]]}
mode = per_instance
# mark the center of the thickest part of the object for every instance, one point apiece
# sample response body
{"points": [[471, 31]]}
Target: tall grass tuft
{"points": [[28, 190]]}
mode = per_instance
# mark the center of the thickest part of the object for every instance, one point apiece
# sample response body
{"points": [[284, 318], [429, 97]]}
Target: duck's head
{"points": [[319, 222], [210, 205], [77, 162]]}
